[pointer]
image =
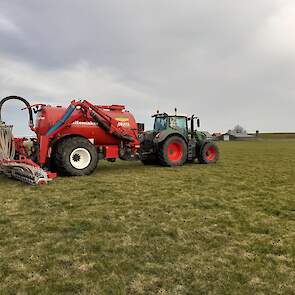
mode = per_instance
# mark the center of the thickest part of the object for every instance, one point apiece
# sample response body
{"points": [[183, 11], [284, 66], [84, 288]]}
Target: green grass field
{"points": [[278, 135], [227, 228]]}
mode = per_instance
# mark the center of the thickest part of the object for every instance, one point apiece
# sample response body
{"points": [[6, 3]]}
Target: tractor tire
{"points": [[173, 152], [75, 156], [209, 153], [147, 162]]}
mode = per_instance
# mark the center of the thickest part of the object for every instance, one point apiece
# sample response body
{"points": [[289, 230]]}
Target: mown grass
{"points": [[130, 229]]}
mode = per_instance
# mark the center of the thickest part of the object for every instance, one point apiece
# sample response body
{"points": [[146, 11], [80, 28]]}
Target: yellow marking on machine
{"points": [[122, 119]]}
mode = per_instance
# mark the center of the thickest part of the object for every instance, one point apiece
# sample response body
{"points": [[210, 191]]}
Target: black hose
{"points": [[106, 127], [100, 122], [31, 120]]}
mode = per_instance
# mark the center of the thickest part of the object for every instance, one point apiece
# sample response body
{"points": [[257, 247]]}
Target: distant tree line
{"points": [[238, 129]]}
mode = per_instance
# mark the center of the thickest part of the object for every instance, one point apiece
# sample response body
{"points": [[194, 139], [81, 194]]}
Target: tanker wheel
{"points": [[209, 153], [75, 156], [173, 152]]}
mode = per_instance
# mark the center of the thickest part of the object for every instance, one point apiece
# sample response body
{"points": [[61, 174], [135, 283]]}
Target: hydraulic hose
{"points": [[7, 147], [63, 119], [31, 120]]}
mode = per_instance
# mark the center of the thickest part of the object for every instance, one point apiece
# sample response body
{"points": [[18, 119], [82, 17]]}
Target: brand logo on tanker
{"points": [[88, 123], [123, 121]]}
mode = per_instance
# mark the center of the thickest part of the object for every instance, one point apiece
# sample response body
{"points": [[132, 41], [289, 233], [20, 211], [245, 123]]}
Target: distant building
{"points": [[216, 136], [232, 135]]}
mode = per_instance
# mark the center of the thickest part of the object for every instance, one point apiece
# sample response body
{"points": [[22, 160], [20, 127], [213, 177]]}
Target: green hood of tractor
{"points": [[200, 136]]}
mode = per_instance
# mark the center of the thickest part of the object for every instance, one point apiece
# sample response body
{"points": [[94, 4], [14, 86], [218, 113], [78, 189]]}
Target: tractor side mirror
{"points": [[198, 122]]}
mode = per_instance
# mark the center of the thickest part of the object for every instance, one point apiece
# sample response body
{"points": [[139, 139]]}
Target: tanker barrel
{"points": [[101, 123], [123, 136], [107, 128], [63, 119]]}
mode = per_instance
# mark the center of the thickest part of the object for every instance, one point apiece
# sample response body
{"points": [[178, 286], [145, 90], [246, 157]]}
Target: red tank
{"points": [[86, 126]]}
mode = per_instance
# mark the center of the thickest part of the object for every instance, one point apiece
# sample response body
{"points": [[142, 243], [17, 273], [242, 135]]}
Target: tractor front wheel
{"points": [[75, 156], [209, 153], [173, 152]]}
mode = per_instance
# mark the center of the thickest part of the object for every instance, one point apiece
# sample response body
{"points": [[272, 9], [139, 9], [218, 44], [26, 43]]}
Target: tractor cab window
{"points": [[160, 123], [178, 123]]}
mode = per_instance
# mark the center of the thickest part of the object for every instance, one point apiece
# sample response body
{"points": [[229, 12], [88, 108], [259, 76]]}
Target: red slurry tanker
{"points": [[71, 141]]}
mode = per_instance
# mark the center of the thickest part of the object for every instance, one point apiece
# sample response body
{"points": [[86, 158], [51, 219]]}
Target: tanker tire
{"points": [[209, 153], [163, 153], [65, 153]]}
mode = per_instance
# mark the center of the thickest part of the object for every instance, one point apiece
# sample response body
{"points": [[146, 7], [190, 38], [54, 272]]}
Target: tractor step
{"points": [[191, 154]]}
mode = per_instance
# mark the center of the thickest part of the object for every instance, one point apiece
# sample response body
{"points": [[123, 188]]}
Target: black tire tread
{"points": [[61, 153], [163, 160], [202, 156]]}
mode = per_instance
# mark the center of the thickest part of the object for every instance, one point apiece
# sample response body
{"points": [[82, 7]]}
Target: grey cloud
{"points": [[216, 58]]}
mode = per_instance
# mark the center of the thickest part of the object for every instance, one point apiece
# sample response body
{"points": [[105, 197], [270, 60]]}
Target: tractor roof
{"points": [[169, 115]]}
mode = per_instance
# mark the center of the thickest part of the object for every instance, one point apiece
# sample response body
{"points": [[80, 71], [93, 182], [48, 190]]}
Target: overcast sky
{"points": [[230, 62]]}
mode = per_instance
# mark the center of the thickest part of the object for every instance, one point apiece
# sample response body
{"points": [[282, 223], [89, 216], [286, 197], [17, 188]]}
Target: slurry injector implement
{"points": [[71, 141]]}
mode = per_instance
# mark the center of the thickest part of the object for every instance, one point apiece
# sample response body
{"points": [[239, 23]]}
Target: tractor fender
{"points": [[163, 135]]}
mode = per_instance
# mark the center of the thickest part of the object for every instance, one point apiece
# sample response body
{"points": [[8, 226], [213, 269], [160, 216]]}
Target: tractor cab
{"points": [[179, 123], [165, 121]]}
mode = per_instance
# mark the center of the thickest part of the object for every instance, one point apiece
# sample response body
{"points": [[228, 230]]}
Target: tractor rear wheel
{"points": [[209, 153], [173, 152], [75, 156]]}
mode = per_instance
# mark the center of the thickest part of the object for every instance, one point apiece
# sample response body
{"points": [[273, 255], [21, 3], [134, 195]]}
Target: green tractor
{"points": [[172, 142]]}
